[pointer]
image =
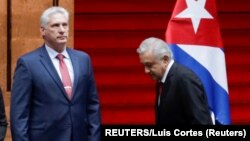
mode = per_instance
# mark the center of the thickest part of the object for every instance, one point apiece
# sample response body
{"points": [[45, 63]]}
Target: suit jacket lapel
{"points": [[167, 83], [75, 64], [168, 79], [47, 63]]}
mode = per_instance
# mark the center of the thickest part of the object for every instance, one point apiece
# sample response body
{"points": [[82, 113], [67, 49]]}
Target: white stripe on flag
{"points": [[212, 58]]}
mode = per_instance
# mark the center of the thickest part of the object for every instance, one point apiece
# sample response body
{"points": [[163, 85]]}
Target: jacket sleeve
{"points": [[20, 102], [93, 111], [195, 100], [3, 121]]}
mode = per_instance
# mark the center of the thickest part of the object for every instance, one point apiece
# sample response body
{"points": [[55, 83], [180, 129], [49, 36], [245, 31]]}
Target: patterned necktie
{"points": [[65, 76]]}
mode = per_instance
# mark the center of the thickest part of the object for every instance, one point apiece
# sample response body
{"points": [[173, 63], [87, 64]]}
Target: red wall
{"points": [[111, 30]]}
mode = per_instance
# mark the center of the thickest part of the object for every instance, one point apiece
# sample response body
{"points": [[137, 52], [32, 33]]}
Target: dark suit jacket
{"points": [[40, 109], [3, 121], [183, 100]]}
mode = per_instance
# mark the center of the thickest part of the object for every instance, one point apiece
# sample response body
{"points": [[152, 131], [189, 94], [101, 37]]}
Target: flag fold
{"points": [[194, 36]]}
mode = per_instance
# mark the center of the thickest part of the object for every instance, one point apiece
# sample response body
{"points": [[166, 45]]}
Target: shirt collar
{"points": [[167, 70], [52, 53]]}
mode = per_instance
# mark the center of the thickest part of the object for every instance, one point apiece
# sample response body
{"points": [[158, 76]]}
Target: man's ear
{"points": [[42, 31], [165, 59]]}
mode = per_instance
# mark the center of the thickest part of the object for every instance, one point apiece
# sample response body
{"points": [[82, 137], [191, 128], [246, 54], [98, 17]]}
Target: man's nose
{"points": [[62, 28]]}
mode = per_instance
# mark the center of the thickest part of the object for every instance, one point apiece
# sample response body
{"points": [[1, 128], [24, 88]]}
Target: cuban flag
{"points": [[193, 34]]}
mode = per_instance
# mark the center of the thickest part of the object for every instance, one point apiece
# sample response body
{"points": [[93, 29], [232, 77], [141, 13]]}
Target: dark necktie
{"points": [[65, 76], [160, 86]]}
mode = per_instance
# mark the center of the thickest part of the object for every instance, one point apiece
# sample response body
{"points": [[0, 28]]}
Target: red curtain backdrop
{"points": [[110, 31]]}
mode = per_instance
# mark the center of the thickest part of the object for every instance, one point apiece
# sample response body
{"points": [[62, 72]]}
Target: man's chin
{"points": [[61, 42], [154, 78]]}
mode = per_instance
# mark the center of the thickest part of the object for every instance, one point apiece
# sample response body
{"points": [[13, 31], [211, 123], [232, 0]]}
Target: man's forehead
{"points": [[147, 60], [57, 18]]}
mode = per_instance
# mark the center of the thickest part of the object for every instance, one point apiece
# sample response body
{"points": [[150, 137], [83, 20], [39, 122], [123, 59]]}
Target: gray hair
{"points": [[159, 47], [51, 11]]}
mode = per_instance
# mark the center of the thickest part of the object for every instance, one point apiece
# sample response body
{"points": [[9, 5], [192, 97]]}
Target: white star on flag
{"points": [[196, 11]]}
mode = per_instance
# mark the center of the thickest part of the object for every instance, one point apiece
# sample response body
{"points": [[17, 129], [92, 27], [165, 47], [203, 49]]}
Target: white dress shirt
{"points": [[171, 62], [52, 54]]}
